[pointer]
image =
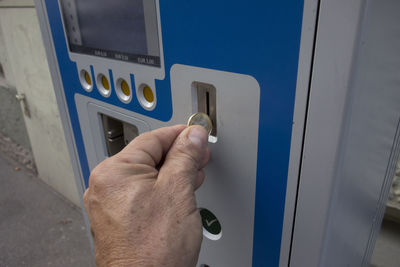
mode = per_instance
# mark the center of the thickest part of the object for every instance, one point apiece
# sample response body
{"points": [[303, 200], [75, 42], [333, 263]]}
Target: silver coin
{"points": [[201, 119]]}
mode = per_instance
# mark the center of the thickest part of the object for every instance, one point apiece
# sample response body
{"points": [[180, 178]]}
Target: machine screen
{"points": [[124, 30]]}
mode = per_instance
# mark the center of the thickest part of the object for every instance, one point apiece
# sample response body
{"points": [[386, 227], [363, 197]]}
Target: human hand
{"points": [[141, 203]]}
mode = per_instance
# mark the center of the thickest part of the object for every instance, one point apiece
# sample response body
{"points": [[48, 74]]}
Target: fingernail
{"points": [[198, 136]]}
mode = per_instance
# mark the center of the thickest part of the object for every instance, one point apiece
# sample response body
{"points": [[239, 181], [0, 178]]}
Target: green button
{"points": [[210, 222]]}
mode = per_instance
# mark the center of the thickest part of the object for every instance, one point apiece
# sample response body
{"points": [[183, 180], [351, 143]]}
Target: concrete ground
{"points": [[38, 227], [387, 248]]}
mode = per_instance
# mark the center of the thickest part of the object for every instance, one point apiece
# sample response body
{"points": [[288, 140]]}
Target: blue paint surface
{"points": [[258, 38]]}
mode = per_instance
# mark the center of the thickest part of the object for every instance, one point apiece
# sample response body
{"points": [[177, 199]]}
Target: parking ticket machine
{"points": [[124, 67]]}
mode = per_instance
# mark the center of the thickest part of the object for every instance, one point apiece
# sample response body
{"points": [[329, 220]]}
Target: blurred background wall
{"points": [[30, 128]]}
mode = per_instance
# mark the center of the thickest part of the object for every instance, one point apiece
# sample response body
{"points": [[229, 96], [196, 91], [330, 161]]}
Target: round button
{"points": [[87, 78], [148, 94], [105, 83], [211, 226], [125, 88]]}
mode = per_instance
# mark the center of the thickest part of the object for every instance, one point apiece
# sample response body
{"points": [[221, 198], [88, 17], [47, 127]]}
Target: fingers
{"points": [[149, 148], [186, 157]]}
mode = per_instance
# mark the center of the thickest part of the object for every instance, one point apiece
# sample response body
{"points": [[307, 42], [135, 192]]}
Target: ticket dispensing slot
{"points": [[117, 134]]}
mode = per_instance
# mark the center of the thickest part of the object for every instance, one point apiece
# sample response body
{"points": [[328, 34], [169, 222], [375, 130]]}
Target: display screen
{"points": [[124, 30]]}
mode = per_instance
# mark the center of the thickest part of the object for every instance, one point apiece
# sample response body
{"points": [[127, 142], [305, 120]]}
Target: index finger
{"points": [[150, 147]]}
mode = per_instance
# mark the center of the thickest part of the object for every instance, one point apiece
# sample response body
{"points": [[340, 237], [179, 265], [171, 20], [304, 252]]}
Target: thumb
{"points": [[185, 159]]}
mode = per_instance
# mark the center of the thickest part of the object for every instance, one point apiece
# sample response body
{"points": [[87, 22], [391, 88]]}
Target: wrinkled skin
{"points": [[141, 202]]}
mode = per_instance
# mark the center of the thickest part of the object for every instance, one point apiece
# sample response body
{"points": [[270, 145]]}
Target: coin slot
{"points": [[86, 80], [103, 85], [207, 103], [123, 91], [117, 134], [146, 97]]}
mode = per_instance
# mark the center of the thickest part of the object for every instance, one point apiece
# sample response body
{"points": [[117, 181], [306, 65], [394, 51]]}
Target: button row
{"points": [[145, 94]]}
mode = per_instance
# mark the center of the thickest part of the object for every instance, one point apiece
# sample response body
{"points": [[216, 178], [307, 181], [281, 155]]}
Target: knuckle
{"points": [[98, 176], [95, 176], [86, 199], [85, 196], [144, 137], [92, 202]]}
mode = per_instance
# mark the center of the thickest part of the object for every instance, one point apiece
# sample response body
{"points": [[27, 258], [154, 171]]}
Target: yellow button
{"points": [[148, 94], [125, 88], [105, 83], [87, 78]]}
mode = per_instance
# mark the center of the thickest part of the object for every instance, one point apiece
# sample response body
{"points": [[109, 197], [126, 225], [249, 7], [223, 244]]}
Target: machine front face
{"points": [[130, 66]]}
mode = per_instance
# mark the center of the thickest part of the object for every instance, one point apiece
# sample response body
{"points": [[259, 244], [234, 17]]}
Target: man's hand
{"points": [[141, 202]]}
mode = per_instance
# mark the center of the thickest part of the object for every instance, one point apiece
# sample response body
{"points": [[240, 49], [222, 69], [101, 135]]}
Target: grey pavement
{"points": [[387, 248], [38, 227]]}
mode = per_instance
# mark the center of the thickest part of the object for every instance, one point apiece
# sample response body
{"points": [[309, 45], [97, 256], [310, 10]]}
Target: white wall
{"points": [[8, 79], [26, 58]]}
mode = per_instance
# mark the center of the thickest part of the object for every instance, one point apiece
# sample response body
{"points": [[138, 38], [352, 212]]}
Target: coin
{"points": [[201, 119]]}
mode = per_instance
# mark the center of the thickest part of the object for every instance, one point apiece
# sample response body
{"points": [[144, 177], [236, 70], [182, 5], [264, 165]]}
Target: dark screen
{"points": [[114, 29]]}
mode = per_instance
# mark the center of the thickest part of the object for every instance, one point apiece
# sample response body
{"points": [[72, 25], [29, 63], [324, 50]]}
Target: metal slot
{"points": [[206, 102], [117, 134]]}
